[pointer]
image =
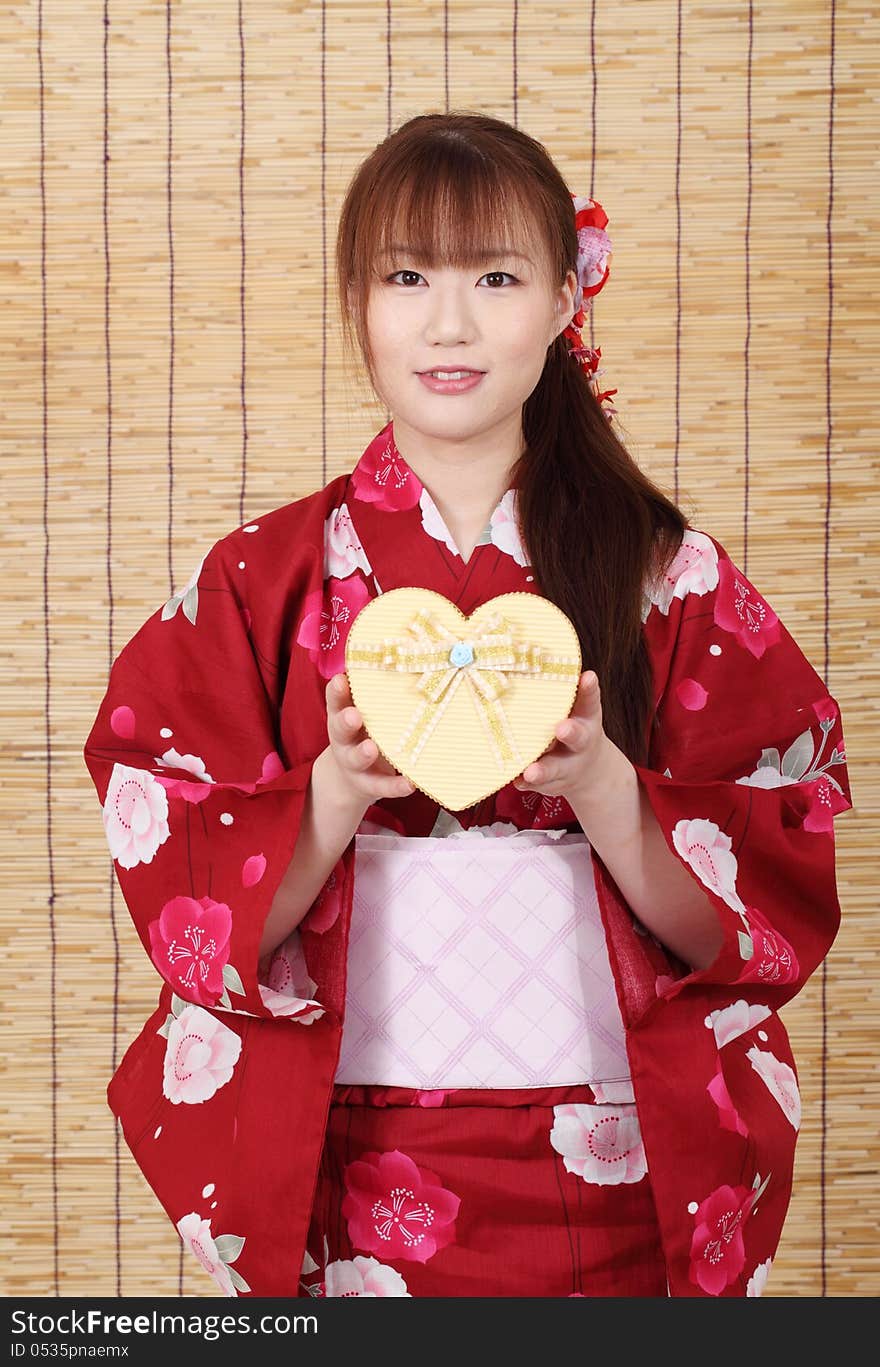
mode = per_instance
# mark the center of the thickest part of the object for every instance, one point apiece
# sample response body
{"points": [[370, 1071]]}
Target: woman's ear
{"points": [[564, 306], [565, 302]]}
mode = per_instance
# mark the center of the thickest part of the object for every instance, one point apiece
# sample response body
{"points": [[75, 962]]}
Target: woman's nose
{"points": [[450, 320]]}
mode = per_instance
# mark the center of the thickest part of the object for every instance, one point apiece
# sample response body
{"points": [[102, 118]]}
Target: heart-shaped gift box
{"points": [[461, 705]]}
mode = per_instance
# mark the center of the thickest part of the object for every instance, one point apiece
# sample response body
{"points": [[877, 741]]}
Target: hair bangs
{"points": [[459, 213]]}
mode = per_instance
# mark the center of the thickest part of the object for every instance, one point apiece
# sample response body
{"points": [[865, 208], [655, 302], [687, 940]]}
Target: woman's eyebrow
{"points": [[491, 253]]}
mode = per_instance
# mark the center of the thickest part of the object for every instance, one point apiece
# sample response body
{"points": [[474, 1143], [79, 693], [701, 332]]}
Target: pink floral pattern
{"points": [[324, 911], [135, 813], [326, 621], [360, 1276], [196, 1235], [728, 1117], [773, 959], [780, 1080], [382, 476], [290, 991], [396, 1208], [600, 1143], [729, 1022], [531, 809], [199, 1057], [717, 1249], [195, 789], [343, 552], [505, 529], [741, 610], [826, 800], [707, 849], [189, 944], [693, 570]]}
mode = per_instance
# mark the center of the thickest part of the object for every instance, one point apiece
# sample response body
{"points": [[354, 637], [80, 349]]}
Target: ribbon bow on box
{"points": [[490, 726]]}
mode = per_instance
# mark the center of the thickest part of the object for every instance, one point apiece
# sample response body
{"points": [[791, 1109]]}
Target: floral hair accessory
{"points": [[593, 262]]}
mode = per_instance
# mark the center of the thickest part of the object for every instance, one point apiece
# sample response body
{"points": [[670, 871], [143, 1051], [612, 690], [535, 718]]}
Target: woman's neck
{"points": [[466, 480]]}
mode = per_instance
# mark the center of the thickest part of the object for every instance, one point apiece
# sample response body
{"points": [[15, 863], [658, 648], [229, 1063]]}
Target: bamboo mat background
{"points": [[172, 178]]}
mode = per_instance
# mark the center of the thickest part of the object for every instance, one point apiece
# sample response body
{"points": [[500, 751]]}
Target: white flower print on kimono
{"points": [[290, 990], [781, 1082], [708, 850], [693, 570], [362, 1276], [732, 1021], [199, 1057], [343, 552], [215, 1256], [188, 596], [135, 814], [758, 1279], [193, 764], [503, 527], [601, 1144]]}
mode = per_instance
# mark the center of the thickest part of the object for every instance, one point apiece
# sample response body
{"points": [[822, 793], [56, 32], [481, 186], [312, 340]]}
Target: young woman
{"points": [[528, 1048]]}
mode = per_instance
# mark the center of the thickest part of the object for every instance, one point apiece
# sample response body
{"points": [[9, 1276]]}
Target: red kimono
{"points": [[201, 754]]}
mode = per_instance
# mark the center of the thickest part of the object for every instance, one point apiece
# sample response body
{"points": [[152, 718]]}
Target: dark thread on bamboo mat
{"points": [[169, 187], [748, 289], [47, 648], [826, 664], [388, 89], [388, 55], [676, 448], [446, 54], [169, 199], [324, 243], [515, 66], [114, 1025], [593, 99], [750, 1146], [243, 267]]}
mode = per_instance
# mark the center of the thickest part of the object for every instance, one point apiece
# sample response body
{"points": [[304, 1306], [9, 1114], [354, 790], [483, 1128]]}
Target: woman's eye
{"points": [[419, 276]]}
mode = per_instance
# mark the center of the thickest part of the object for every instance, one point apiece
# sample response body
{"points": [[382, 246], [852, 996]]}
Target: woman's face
{"points": [[498, 318]]}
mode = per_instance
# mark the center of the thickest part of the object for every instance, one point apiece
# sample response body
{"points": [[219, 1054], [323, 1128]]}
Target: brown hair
{"points": [[594, 525]]}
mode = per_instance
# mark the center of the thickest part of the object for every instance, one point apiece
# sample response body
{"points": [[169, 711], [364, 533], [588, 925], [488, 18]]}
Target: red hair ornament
{"points": [[593, 261]]}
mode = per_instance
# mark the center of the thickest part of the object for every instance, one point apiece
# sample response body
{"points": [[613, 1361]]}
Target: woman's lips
{"points": [[450, 386]]}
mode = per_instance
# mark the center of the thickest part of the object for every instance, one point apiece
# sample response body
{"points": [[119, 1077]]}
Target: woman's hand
{"points": [[569, 767], [364, 773]]}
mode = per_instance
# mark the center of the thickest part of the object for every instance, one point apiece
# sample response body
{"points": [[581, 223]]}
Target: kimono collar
{"points": [[406, 541]]}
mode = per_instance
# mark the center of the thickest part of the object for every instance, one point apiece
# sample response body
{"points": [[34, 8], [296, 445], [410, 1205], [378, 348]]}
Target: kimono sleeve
{"points": [[200, 814], [747, 771]]}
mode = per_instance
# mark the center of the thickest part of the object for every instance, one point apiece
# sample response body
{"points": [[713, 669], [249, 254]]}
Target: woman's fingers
{"points": [[346, 724], [367, 751], [351, 719], [354, 749]]}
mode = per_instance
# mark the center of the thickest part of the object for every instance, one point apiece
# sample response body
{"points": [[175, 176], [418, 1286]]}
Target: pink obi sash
{"points": [[478, 960]]}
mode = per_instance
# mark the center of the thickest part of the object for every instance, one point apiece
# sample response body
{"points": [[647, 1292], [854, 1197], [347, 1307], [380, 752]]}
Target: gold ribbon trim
{"points": [[496, 656]]}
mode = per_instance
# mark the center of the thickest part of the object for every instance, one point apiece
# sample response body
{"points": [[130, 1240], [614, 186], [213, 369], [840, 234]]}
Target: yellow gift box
{"points": [[461, 705]]}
